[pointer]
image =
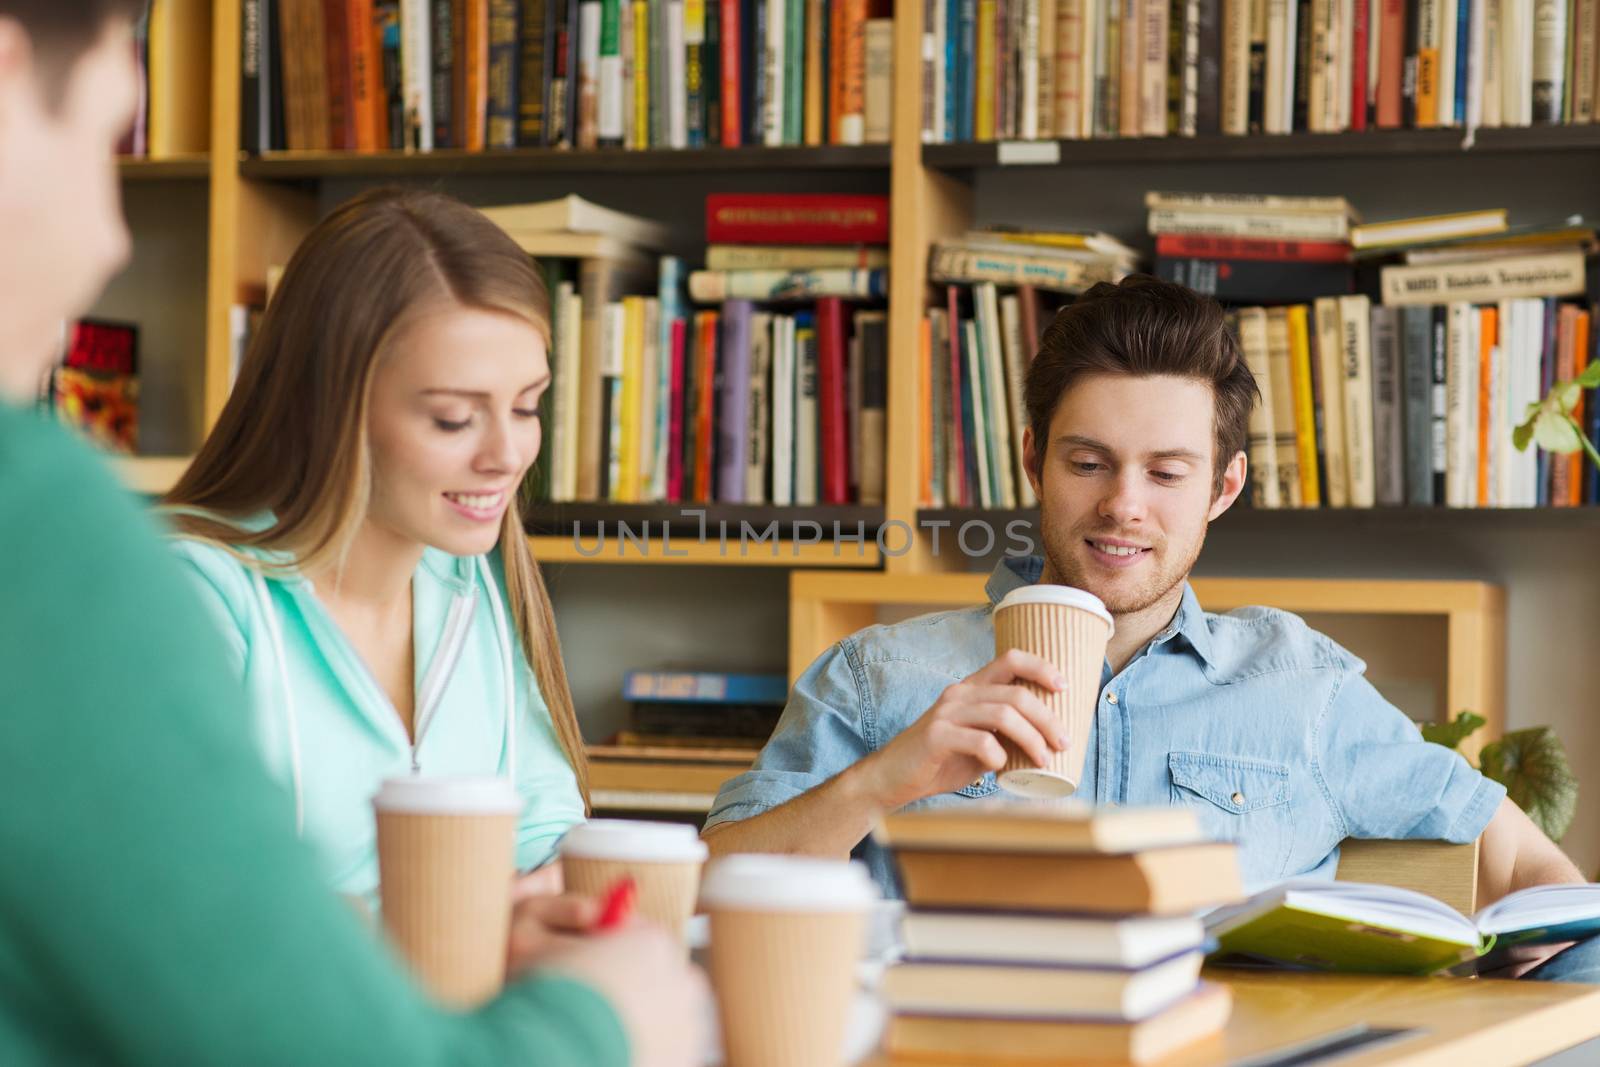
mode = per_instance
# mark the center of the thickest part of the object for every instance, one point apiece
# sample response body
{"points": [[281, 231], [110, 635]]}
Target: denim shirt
{"points": [[1264, 727]]}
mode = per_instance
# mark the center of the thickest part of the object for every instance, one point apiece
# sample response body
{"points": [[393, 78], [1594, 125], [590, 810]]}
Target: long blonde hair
{"points": [[292, 439]]}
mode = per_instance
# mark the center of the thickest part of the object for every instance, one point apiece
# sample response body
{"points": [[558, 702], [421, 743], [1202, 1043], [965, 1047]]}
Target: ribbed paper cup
{"points": [[786, 935], [446, 857], [1067, 628], [663, 859]]}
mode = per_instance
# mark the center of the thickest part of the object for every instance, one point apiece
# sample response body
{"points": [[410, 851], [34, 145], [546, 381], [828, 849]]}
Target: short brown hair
{"points": [[1143, 327], [61, 31]]}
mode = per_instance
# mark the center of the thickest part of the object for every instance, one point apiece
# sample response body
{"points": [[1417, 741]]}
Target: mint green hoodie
{"points": [[329, 732], [157, 908]]}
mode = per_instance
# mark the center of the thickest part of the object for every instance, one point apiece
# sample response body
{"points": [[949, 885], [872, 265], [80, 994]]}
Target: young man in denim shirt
{"points": [[1137, 408]]}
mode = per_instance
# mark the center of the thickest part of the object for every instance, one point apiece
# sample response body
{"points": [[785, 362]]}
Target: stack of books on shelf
{"points": [[975, 349], [1154, 68], [172, 46], [686, 734], [365, 75], [1039, 933], [1247, 246], [755, 401]]}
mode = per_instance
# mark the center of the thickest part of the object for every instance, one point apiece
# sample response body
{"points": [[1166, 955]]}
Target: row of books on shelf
{"points": [[1024, 69], [1368, 406], [366, 75], [172, 49]]}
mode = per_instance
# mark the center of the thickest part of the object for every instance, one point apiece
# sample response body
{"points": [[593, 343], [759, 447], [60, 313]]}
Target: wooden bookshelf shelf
{"points": [[1259, 147], [175, 168], [685, 520], [669, 550], [151, 475], [1295, 520], [712, 162]]}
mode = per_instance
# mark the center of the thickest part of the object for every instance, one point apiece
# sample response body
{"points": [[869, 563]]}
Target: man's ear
{"points": [[1233, 483], [1031, 462]]}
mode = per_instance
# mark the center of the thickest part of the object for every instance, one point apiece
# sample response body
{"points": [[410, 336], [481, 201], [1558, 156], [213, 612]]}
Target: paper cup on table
{"points": [[786, 935], [446, 859], [663, 859], [1067, 628]]}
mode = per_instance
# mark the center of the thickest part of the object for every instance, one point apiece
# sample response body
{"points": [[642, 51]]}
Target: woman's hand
{"points": [[540, 923]]}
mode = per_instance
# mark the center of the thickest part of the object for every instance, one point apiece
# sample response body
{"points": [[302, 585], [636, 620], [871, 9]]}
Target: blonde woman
{"points": [[352, 523]]}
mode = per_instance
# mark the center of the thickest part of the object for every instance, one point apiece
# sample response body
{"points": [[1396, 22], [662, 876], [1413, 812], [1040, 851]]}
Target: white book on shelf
{"points": [[1291, 37], [1330, 373], [677, 101], [773, 73], [590, 20], [1474, 360], [416, 90], [556, 444], [574, 214], [1261, 440], [783, 389], [1356, 353], [805, 418], [980, 423], [757, 432], [572, 358], [1532, 387], [1500, 407], [1028, 127], [1491, 91], [1280, 54], [1016, 365], [1447, 61], [1343, 62], [933, 56], [1002, 481], [616, 329], [1476, 51]]}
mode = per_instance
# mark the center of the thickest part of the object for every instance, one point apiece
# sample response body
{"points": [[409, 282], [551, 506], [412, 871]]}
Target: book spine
{"points": [[560, 80], [1461, 354], [609, 88], [1387, 408], [1247, 279], [1261, 439], [831, 388], [441, 67], [1209, 246], [694, 41], [590, 23], [1584, 68], [1280, 358], [639, 131], [706, 286], [1417, 389], [1301, 382], [338, 58], [794, 257], [473, 72], [505, 41], [1359, 73], [1235, 78], [1549, 59], [1438, 405], [1391, 63], [1278, 56], [1153, 42], [1549, 275], [794, 72], [1208, 70], [1493, 65], [1069, 69], [1043, 42], [528, 129], [822, 219], [880, 82], [1354, 330], [253, 124], [368, 101], [1257, 226], [1130, 68], [392, 119], [960, 487], [1330, 371], [733, 399], [956, 264]]}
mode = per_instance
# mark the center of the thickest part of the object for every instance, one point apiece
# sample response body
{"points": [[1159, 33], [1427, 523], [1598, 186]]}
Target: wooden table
{"points": [[1454, 1022]]}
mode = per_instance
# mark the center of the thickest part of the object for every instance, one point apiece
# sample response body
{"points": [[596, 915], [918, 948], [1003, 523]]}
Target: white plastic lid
{"points": [[418, 795], [787, 883], [1065, 595], [635, 840]]}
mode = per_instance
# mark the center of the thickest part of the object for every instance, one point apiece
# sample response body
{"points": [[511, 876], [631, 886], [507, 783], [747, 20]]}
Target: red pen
{"points": [[617, 906]]}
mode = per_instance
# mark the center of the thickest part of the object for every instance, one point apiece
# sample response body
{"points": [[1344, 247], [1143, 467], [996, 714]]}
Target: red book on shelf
{"points": [[1391, 62], [675, 414], [341, 119], [1209, 246], [705, 404], [732, 35], [1358, 67], [831, 342], [959, 494], [797, 219]]}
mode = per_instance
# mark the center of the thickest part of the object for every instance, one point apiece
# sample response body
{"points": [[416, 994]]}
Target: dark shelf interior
{"points": [[710, 161]]}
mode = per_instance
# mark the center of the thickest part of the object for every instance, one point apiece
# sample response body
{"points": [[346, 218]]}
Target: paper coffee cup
{"points": [[663, 859], [786, 935], [1067, 628], [446, 857]]}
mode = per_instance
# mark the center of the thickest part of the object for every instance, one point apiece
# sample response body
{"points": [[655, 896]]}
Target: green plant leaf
{"points": [[1532, 765], [1556, 432], [1522, 435], [1590, 378], [1567, 395], [1451, 734]]}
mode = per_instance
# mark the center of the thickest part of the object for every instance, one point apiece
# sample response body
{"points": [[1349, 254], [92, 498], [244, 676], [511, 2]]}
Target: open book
{"points": [[1355, 926]]}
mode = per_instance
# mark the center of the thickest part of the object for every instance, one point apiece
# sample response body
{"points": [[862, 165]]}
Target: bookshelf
{"points": [[257, 209]]}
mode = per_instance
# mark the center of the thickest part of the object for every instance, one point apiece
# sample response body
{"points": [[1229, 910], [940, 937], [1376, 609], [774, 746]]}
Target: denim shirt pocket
{"points": [[983, 787], [1243, 800]]}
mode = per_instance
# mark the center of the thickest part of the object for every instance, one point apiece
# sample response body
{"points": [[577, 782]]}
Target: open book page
{"points": [[1543, 914]]}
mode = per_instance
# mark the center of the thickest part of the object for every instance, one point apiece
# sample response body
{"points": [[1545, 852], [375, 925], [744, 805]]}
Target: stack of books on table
{"points": [[1043, 932]]}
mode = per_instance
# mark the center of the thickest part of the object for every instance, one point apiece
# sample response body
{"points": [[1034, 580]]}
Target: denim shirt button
{"points": [[1111, 698], [1238, 798]]}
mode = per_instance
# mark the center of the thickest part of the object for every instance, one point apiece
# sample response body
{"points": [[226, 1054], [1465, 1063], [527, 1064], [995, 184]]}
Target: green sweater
{"points": [[155, 904]]}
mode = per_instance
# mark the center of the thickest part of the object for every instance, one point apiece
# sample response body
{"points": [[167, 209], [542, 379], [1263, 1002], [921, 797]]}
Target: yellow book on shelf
{"points": [[641, 74], [983, 107], [627, 488], [180, 78], [1305, 415], [1427, 228]]}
